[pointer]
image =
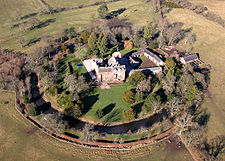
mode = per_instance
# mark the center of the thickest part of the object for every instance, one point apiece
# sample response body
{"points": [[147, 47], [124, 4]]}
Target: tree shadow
{"points": [[116, 13], [33, 41], [108, 108], [46, 23], [137, 108], [112, 116], [29, 15], [215, 146], [89, 101]]}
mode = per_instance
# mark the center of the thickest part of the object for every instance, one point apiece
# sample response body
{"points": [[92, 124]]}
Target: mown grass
{"points": [[20, 141], [210, 45], [108, 100]]}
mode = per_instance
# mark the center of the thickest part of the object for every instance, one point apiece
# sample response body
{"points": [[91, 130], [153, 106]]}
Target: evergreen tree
{"points": [[103, 46], [92, 41]]}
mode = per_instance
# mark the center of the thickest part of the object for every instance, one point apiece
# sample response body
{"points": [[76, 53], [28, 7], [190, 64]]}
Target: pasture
{"points": [[19, 140], [210, 45]]}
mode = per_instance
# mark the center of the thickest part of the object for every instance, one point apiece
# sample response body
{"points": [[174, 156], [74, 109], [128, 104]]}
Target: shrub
{"points": [[137, 76], [32, 110], [26, 99], [99, 113], [128, 97], [53, 90], [171, 5], [129, 114], [83, 38], [152, 45]]}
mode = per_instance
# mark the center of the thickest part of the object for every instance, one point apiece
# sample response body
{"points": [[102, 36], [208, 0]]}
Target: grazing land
{"points": [[210, 44], [39, 146], [137, 12], [216, 6]]}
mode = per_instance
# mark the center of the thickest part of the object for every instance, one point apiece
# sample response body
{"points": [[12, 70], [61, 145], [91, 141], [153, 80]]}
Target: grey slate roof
{"points": [[144, 50], [190, 57], [104, 69]]}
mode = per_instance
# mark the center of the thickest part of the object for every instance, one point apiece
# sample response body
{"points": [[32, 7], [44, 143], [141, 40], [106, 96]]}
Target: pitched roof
{"points": [[104, 69], [190, 57], [144, 50]]}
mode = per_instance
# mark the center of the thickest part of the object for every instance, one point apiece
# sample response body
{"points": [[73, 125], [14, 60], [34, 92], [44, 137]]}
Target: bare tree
{"points": [[169, 84], [184, 123], [88, 133], [144, 86], [21, 40], [174, 106]]}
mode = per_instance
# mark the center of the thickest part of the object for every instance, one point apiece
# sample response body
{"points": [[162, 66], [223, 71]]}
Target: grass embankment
{"points": [[136, 12], [19, 140], [210, 45]]}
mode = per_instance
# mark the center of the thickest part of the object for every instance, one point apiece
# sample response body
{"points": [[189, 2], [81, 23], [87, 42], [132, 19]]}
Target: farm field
{"points": [[76, 18], [19, 140], [210, 45]]}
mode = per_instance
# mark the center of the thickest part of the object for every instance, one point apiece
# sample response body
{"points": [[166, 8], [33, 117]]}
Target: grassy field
{"points": [[77, 18], [216, 6], [210, 44], [19, 140], [110, 101]]}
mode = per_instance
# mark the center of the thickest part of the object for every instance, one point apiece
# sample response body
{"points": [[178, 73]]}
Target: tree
{"points": [[81, 52], [216, 146], [128, 97], [129, 114], [170, 65], [99, 113], [21, 40], [149, 32], [169, 84], [32, 110], [190, 38], [88, 133], [33, 22], [153, 103], [75, 84], [103, 46], [83, 38], [144, 86], [54, 122], [184, 123], [70, 32], [73, 110], [103, 11], [174, 106], [60, 34], [92, 41], [137, 76], [139, 96], [191, 92]]}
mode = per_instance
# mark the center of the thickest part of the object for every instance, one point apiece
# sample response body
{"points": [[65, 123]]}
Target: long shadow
{"points": [[46, 23], [108, 108], [116, 13], [89, 101], [29, 15]]}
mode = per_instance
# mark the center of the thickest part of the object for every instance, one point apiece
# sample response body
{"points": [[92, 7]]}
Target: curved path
{"points": [[45, 107]]}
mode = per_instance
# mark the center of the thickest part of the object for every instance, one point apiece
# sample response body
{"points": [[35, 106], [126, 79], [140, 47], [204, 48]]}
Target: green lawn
{"points": [[110, 101], [21, 141]]}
